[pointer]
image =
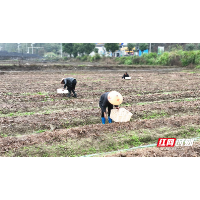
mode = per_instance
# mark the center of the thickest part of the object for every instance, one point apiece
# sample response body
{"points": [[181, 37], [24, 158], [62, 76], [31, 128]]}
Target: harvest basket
{"points": [[60, 91], [120, 115]]}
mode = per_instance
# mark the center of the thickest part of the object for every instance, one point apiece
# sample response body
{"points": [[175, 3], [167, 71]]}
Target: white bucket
{"points": [[120, 115], [127, 78], [61, 91]]}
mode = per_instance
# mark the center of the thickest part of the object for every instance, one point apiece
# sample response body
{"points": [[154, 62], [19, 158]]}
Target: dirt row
{"points": [[127, 94], [49, 137], [30, 103], [16, 89], [71, 117]]}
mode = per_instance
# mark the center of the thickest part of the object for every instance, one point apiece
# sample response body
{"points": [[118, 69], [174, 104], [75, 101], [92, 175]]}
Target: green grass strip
{"points": [[125, 150]]}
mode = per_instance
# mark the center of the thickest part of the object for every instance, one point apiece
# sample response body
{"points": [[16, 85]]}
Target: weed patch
{"points": [[154, 115]]}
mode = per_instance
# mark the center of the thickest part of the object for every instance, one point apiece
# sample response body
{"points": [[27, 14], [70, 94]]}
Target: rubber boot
{"points": [[75, 95], [109, 120], [68, 95], [103, 119]]}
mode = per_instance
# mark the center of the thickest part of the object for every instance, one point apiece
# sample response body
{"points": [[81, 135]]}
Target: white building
{"points": [[102, 50]]}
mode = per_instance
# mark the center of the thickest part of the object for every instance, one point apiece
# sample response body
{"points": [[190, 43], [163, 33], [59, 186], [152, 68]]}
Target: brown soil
{"points": [[67, 65], [8, 143], [29, 103], [193, 151]]}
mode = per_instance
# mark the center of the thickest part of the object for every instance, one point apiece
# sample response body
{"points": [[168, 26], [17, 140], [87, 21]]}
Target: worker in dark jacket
{"points": [[70, 83], [125, 75], [105, 101]]}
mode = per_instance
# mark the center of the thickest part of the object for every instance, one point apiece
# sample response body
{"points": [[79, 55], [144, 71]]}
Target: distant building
{"points": [[123, 50], [102, 50], [99, 44], [145, 51]]}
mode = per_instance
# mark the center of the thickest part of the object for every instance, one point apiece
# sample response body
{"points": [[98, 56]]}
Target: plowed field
{"points": [[36, 121]]}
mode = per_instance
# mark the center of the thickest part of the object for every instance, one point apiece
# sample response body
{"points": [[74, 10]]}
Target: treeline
{"points": [[171, 46], [76, 49], [177, 57], [81, 49]]}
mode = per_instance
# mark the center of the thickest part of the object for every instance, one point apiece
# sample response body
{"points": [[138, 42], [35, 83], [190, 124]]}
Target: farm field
{"points": [[36, 121], [193, 151]]}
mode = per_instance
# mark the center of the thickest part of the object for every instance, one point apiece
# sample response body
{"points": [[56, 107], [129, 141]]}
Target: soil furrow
{"points": [[93, 131]]}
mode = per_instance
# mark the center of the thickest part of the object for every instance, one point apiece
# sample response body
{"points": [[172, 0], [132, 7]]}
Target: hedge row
{"points": [[178, 58]]}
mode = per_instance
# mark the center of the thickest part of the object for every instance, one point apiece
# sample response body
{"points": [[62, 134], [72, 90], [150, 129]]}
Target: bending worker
{"points": [[109, 99], [125, 75], [70, 83]]}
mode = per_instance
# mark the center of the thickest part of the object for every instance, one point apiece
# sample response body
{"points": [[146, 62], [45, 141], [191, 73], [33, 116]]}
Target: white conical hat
{"points": [[115, 98]]}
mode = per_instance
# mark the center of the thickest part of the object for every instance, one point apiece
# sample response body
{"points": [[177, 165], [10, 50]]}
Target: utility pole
{"points": [[18, 46], [32, 47], [150, 48], [22, 56]]}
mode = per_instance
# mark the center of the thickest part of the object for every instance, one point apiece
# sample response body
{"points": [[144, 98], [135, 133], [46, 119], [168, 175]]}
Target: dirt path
{"points": [[2, 72]]}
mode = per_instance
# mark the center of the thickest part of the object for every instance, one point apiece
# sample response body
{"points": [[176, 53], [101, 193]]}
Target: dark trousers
{"points": [[70, 89], [109, 110]]}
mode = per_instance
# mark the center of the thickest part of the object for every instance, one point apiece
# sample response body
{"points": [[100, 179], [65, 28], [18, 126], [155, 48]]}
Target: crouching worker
{"points": [[70, 83], [125, 75], [109, 99]]}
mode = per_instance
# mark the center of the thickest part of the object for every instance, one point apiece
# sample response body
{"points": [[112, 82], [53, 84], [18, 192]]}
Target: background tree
{"points": [[10, 47], [96, 50], [190, 47], [51, 47], [76, 48], [68, 48], [80, 48], [143, 46], [41, 52], [88, 47], [111, 47], [130, 46], [198, 46]]}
